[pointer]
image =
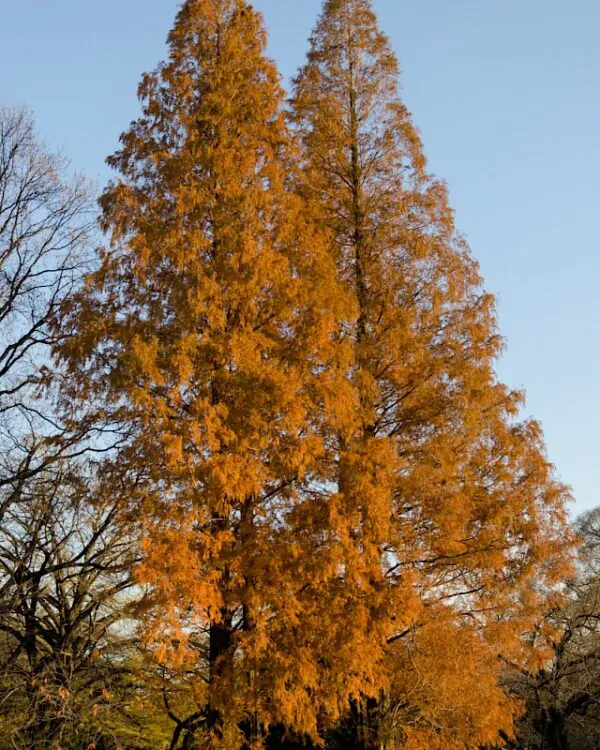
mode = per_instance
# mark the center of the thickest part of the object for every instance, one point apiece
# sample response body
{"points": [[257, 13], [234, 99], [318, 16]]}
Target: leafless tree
{"points": [[46, 220], [66, 621], [563, 699]]}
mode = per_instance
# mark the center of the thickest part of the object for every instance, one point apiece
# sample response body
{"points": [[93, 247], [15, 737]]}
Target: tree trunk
{"points": [[219, 659], [554, 731]]}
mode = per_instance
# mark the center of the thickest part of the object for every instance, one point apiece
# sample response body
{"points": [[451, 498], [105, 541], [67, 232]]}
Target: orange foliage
{"points": [[209, 335], [448, 503], [336, 498]]}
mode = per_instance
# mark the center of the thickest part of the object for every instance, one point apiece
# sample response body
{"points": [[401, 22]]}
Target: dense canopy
{"points": [[333, 523]]}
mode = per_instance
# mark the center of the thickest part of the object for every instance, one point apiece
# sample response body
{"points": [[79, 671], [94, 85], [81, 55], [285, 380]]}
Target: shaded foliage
{"points": [[70, 669], [563, 699]]}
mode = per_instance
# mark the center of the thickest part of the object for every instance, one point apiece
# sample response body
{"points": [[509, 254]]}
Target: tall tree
{"points": [[450, 520], [209, 334]]}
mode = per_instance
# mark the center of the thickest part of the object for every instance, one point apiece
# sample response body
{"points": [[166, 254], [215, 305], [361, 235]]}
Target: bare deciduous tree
{"points": [[46, 218], [563, 699], [66, 617]]}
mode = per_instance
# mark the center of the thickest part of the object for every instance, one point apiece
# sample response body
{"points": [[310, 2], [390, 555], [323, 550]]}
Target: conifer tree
{"points": [[449, 519], [208, 340]]}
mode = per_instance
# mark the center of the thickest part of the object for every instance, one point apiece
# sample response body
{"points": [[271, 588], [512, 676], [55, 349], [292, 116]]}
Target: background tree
{"points": [[450, 520], [563, 698], [71, 675], [208, 333], [45, 222]]}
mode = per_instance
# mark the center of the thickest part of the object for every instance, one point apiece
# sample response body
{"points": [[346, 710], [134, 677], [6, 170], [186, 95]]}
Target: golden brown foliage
{"points": [[208, 334], [335, 495], [451, 520]]}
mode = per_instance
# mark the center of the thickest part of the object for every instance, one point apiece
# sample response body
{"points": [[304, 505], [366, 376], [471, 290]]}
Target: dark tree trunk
{"points": [[554, 731], [219, 657]]}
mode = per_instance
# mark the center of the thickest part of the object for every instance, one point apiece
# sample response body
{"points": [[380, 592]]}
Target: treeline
{"points": [[259, 483]]}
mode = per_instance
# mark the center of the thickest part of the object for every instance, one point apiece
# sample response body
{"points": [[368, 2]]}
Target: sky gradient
{"points": [[505, 96]]}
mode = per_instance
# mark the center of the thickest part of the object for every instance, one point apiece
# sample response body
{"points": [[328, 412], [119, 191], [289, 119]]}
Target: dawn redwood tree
{"points": [[450, 521], [209, 338]]}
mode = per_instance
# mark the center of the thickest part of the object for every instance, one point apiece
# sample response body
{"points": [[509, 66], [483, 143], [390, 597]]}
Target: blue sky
{"points": [[506, 97]]}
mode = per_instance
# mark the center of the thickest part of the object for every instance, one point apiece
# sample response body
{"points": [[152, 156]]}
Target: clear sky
{"points": [[505, 93]]}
